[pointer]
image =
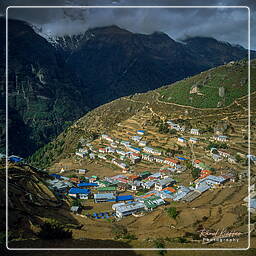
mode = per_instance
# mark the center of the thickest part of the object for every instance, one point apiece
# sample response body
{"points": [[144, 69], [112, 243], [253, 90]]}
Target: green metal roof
{"points": [[145, 173], [107, 189], [151, 203]]}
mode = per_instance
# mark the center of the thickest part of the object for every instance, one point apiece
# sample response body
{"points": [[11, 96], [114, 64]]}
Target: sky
{"points": [[225, 24]]}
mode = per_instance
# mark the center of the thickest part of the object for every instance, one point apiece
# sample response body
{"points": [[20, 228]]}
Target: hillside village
{"points": [[147, 174]]}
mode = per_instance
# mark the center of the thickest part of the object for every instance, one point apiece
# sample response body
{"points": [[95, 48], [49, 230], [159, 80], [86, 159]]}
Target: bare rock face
{"points": [[221, 91], [194, 89]]}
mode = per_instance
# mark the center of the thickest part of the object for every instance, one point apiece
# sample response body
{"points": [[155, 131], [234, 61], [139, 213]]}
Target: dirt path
{"points": [[186, 106]]}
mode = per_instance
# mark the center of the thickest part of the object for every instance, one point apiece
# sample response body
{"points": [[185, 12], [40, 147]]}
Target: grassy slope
{"points": [[233, 78]]}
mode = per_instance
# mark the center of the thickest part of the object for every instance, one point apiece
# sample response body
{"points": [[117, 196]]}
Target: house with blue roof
{"points": [[141, 132], [134, 149], [15, 159], [79, 193], [182, 140], [87, 184], [124, 198], [253, 205], [56, 176]]}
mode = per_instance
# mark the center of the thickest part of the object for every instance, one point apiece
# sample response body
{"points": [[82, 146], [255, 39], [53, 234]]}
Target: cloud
{"points": [[226, 24]]}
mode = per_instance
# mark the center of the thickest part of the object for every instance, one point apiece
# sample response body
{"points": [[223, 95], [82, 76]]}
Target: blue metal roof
{"points": [[181, 158], [253, 203], [57, 176], [15, 159], [124, 198], [79, 191], [84, 184], [138, 149]]}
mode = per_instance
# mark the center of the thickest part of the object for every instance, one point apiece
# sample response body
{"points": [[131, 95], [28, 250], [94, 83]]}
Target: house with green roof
{"points": [[152, 202], [107, 189]]}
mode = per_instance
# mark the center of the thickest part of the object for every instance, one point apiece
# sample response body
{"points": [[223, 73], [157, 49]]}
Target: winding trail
{"points": [[157, 94]]}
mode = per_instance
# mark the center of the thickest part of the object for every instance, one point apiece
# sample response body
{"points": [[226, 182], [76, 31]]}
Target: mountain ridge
{"points": [[107, 117], [46, 81]]}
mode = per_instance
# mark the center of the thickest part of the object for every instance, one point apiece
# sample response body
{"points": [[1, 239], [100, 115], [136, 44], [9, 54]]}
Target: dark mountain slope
{"points": [[114, 62], [213, 51], [41, 90], [54, 82]]}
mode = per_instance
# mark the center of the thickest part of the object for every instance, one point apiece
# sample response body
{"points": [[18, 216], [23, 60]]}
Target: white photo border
{"points": [[249, 130]]}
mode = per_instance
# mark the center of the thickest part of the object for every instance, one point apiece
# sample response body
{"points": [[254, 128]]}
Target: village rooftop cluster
{"points": [[131, 192], [161, 189], [145, 190]]}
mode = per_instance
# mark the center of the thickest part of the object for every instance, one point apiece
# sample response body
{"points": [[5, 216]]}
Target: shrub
{"points": [[195, 173], [76, 202], [172, 212], [130, 237], [119, 231], [181, 240], [159, 243], [173, 131], [52, 229]]}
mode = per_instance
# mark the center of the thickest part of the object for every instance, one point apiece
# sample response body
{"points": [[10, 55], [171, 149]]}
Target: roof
{"points": [[181, 158], [203, 187], [84, 184], [212, 178], [191, 196], [145, 173], [15, 158], [57, 176], [155, 175], [114, 206], [149, 183], [206, 171], [172, 160], [74, 208], [153, 202], [253, 203], [133, 177], [107, 188], [147, 195], [79, 191], [130, 207], [165, 181], [138, 149], [169, 189], [124, 198], [74, 179], [192, 138], [104, 196]]}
